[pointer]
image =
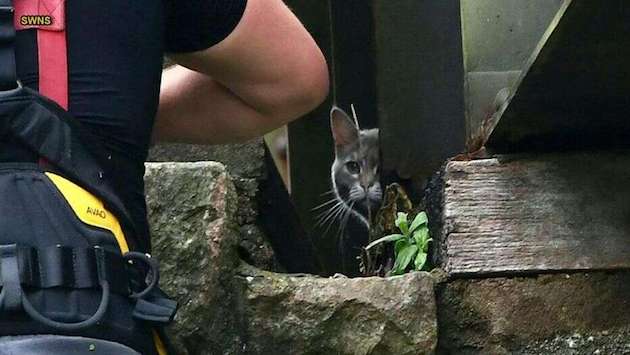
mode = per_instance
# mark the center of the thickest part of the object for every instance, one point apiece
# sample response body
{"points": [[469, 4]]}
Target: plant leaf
{"points": [[421, 219], [420, 260], [400, 244], [404, 258], [402, 223], [388, 238], [396, 270], [420, 236]]}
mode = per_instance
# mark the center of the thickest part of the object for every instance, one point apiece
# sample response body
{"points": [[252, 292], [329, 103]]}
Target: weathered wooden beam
{"points": [[419, 84], [510, 215], [281, 223], [343, 30], [354, 59], [310, 141]]}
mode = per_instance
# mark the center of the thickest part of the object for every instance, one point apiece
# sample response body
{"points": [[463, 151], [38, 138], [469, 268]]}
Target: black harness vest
{"points": [[60, 274]]}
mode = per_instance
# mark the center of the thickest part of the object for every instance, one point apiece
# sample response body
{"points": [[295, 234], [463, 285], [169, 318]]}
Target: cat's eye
{"points": [[353, 167]]}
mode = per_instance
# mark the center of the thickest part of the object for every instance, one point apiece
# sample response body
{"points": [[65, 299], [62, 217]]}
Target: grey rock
{"points": [[502, 315], [254, 246], [255, 250], [192, 209], [245, 164], [313, 315], [247, 191], [243, 159]]}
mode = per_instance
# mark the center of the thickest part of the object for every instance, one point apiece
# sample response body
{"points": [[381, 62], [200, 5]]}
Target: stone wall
{"points": [[245, 164], [508, 315], [230, 307]]}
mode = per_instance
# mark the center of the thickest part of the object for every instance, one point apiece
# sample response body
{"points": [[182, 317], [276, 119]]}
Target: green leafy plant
{"points": [[411, 245]]}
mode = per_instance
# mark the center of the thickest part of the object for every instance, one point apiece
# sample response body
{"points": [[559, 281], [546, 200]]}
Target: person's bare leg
{"points": [[268, 72]]}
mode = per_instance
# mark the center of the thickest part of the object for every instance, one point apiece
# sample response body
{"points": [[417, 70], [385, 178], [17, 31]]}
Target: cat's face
{"points": [[355, 171]]}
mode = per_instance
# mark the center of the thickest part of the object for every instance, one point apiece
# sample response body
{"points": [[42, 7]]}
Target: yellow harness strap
{"points": [[161, 348], [89, 209]]}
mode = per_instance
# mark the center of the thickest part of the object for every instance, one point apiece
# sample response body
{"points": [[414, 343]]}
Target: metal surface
{"points": [[500, 35], [574, 91], [498, 38]]}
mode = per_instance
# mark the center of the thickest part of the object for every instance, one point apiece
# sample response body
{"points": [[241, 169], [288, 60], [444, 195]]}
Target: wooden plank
{"points": [[349, 52], [535, 214], [310, 141], [419, 84], [573, 93], [282, 226], [354, 59]]}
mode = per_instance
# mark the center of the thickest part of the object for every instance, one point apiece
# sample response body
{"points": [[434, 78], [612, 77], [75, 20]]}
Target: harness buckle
{"points": [[148, 268]]}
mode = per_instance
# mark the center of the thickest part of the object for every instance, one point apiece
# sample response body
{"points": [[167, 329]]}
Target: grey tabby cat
{"points": [[355, 171]]}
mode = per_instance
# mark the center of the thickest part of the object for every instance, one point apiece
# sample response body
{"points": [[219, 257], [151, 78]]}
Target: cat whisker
{"points": [[324, 204], [329, 210], [339, 213], [329, 214], [329, 219], [345, 217]]}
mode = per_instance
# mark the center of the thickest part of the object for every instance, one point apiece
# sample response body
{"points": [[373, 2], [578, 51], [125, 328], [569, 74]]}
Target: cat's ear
{"points": [[344, 130]]}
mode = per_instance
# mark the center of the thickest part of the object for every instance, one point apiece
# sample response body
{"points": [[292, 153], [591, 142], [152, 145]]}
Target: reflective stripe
{"points": [[89, 209]]}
